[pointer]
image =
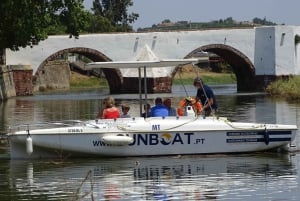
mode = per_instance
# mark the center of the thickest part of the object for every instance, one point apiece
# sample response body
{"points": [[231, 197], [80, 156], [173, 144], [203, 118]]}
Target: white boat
{"points": [[152, 136]]}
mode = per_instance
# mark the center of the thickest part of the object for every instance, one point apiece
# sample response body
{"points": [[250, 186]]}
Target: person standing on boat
{"points": [[168, 104], [110, 111], [159, 110], [207, 97]]}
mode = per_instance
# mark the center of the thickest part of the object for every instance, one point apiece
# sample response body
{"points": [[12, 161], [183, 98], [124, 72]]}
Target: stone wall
{"points": [[54, 75], [7, 86]]}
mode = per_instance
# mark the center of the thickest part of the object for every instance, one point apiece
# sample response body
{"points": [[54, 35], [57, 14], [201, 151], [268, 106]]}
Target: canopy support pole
{"points": [[145, 86], [140, 91]]}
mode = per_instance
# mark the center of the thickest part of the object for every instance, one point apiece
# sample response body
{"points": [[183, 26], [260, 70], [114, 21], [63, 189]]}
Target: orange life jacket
{"points": [[197, 106]]}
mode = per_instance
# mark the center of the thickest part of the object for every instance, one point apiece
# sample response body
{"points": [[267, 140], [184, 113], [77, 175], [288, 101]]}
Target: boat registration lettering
{"points": [[75, 130], [156, 127]]}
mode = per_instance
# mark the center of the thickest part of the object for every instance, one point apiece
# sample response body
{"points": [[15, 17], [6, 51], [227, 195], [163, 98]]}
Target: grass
{"points": [[82, 81], [208, 78], [188, 73], [186, 77], [287, 88]]}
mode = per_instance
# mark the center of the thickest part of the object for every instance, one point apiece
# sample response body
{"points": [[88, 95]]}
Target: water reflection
{"points": [[157, 178]]}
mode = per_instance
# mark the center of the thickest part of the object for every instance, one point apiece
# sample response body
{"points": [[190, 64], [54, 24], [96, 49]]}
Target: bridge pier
{"points": [[15, 80], [154, 85]]}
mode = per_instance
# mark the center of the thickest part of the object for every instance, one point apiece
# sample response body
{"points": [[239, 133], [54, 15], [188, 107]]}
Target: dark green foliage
{"points": [[113, 15], [263, 21], [27, 22]]}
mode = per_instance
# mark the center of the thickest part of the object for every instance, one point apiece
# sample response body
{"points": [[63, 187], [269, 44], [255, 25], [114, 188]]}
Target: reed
{"points": [[208, 77], [186, 78], [82, 81], [286, 88]]}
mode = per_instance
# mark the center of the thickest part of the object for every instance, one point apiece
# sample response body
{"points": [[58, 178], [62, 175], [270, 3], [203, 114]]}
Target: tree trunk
{"points": [[2, 56]]}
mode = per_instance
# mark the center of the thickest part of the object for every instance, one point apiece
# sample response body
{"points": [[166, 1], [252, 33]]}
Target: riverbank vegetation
{"points": [[287, 88], [282, 88], [82, 81], [187, 75]]}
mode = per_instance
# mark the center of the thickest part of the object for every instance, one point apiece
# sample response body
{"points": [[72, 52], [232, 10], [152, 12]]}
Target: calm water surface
{"points": [[263, 176]]}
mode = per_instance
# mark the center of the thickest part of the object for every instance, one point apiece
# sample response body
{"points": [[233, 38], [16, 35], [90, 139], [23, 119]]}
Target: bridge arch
{"points": [[240, 63], [113, 76]]}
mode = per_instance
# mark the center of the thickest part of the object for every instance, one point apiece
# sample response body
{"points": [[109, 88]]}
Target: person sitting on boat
{"points": [[168, 104], [125, 110], [189, 101], [110, 111], [147, 111], [159, 110], [206, 95]]}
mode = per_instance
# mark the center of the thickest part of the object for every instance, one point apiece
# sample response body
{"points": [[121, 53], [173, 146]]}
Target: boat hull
{"points": [[152, 137]]}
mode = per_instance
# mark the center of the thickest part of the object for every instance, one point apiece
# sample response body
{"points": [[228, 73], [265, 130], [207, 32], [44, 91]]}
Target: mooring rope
{"points": [[259, 126]]}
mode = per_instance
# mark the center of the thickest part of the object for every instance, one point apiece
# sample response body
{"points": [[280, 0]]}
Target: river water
{"points": [[260, 176]]}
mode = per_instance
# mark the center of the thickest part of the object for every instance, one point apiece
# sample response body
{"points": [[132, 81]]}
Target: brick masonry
{"points": [[154, 85], [15, 80], [22, 77]]}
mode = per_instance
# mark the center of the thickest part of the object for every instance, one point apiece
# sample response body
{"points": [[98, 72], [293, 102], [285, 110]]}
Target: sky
{"points": [[155, 11]]}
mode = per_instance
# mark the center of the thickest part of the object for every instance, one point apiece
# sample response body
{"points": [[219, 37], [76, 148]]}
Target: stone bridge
{"points": [[256, 55]]}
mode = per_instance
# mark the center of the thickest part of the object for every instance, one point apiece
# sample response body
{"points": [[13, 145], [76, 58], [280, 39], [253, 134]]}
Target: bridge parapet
{"points": [[262, 51]]}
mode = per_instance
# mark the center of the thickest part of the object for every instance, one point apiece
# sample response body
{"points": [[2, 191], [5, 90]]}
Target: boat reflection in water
{"points": [[157, 178]]}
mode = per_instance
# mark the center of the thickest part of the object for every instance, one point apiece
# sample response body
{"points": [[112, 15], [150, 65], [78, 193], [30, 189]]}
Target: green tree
{"points": [[97, 8], [116, 11], [166, 21], [229, 20], [99, 24], [27, 22], [264, 21]]}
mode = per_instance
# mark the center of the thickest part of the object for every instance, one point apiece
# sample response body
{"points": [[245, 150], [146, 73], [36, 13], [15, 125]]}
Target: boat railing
{"points": [[45, 125]]}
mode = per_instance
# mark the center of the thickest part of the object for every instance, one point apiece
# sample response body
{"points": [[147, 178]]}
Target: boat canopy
{"points": [[142, 64]]}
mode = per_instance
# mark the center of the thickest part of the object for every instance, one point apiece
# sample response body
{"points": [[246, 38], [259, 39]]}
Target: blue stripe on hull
{"points": [[277, 132], [252, 136], [251, 133], [239, 140]]}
